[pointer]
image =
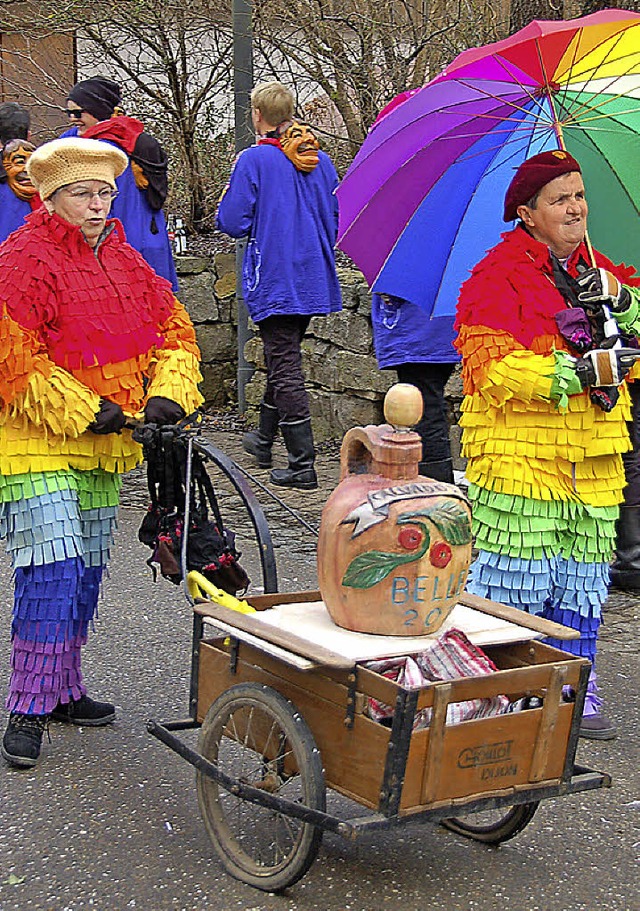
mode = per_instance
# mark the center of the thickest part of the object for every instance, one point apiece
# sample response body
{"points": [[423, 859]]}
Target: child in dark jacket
{"points": [[281, 197]]}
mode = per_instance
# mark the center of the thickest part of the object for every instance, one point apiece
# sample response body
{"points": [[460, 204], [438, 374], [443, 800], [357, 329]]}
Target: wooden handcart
{"points": [[284, 718]]}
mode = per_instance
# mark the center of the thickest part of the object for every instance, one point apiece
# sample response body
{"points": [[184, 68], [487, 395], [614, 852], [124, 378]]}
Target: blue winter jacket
{"points": [[144, 226], [404, 334], [290, 220], [13, 211]]}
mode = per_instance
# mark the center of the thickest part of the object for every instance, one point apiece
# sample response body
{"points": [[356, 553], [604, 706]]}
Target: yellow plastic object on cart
{"points": [[199, 586]]}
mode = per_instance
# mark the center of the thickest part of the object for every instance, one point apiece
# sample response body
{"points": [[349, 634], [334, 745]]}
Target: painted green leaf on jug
{"points": [[366, 570]]}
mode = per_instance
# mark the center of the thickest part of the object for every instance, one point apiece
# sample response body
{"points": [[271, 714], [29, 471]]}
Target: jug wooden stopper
{"points": [[403, 407]]}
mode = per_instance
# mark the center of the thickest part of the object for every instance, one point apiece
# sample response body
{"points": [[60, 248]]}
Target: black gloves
{"points": [[110, 418], [600, 286], [159, 410], [605, 397], [606, 366]]}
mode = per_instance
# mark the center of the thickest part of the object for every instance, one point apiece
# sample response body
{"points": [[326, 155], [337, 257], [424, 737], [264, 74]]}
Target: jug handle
{"points": [[356, 453], [379, 449]]}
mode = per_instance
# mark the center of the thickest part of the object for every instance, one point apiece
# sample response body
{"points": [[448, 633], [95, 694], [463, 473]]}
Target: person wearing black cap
{"points": [[95, 107], [546, 329]]}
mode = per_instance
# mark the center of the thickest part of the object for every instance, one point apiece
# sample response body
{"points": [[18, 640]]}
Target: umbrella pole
{"points": [[587, 241], [560, 137]]}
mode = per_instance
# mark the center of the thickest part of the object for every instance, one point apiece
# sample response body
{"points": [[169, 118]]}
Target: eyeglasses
{"points": [[105, 195], [76, 113]]}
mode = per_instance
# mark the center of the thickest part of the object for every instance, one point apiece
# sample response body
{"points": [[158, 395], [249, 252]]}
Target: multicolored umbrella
{"points": [[422, 200]]}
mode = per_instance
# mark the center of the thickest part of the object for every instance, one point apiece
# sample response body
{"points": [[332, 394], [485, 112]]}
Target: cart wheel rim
{"points": [[257, 737]]}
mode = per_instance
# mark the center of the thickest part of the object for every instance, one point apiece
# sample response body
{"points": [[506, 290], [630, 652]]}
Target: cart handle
{"points": [[514, 615], [199, 586]]}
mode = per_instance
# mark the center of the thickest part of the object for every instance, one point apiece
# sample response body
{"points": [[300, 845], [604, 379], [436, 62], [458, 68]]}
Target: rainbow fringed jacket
{"points": [[77, 325], [526, 432]]}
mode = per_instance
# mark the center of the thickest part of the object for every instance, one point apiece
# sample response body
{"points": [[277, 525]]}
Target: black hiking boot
{"points": [[85, 711], [23, 739]]}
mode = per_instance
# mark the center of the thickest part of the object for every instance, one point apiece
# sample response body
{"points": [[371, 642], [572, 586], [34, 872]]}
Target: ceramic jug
{"points": [[394, 546]]}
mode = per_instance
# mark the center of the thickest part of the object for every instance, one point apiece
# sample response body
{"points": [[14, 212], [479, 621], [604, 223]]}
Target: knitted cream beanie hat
{"points": [[63, 161]]}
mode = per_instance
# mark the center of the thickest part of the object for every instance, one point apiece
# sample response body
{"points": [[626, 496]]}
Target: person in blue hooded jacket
{"points": [[281, 197], [95, 107], [421, 352]]}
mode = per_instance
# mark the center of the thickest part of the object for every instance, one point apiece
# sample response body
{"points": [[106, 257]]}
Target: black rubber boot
{"points": [[625, 570], [438, 471], [258, 442], [301, 474]]}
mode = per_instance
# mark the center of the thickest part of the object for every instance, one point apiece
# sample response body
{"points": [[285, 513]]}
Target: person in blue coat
{"points": [[95, 106], [281, 197], [18, 196], [421, 352]]}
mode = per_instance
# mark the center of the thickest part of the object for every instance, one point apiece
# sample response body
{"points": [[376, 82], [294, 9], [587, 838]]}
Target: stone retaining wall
{"points": [[346, 388]]}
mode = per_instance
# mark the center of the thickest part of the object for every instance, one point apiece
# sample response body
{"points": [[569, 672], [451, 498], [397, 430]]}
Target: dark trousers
{"points": [[632, 459], [281, 339], [433, 427]]}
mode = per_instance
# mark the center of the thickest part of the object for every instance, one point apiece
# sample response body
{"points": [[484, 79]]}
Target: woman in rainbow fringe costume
{"points": [[545, 408], [89, 334]]}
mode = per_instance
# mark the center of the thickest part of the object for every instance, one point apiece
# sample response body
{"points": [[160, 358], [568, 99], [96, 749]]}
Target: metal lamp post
{"points": [[244, 137]]}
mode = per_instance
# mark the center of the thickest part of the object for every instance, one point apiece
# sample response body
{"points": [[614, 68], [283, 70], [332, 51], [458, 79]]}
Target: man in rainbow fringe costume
{"points": [[89, 334], [545, 409]]}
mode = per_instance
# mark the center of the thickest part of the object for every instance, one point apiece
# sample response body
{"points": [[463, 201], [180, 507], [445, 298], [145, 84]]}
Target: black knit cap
{"points": [[98, 96]]}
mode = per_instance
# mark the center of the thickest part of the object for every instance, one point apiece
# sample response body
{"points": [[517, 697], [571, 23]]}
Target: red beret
{"points": [[532, 175]]}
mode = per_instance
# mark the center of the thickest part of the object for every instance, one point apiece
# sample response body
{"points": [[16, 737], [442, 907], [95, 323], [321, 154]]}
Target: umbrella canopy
{"points": [[423, 198]]}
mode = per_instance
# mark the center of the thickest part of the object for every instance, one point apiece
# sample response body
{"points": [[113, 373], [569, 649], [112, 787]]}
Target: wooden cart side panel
{"points": [[537, 678], [487, 754], [377, 686], [525, 654], [353, 758]]}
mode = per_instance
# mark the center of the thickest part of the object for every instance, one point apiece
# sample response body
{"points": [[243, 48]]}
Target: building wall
{"points": [[23, 61]]}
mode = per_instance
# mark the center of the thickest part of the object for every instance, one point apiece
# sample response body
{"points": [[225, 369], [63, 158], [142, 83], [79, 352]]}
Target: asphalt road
{"points": [[109, 819]]}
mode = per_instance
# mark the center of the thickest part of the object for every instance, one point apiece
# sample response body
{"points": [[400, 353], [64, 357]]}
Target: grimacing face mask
{"points": [[300, 145], [15, 156]]}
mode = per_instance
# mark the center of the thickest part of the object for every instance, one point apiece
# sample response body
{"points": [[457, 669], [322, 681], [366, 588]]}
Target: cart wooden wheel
{"points": [[258, 738], [493, 826]]}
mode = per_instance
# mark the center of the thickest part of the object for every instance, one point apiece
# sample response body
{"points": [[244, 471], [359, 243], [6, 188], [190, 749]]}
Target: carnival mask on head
{"points": [[300, 146], [15, 156]]}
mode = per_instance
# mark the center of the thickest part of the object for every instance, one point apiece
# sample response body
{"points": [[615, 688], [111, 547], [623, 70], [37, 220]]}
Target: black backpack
{"points": [[211, 548]]}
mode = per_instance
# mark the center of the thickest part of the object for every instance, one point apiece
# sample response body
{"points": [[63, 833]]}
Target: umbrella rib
{"points": [[605, 60], [585, 106], [543, 118], [511, 104], [361, 160], [557, 127], [554, 120], [602, 119], [525, 121]]}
